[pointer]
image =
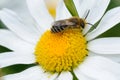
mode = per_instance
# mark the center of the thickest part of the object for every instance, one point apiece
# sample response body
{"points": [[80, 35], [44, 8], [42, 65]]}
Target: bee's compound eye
{"points": [[82, 25]]}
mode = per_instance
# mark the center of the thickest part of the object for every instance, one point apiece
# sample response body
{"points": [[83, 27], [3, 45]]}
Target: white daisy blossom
{"points": [[22, 39]]}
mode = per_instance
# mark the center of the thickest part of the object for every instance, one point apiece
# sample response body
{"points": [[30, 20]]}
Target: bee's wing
{"points": [[69, 23], [58, 23], [63, 23]]}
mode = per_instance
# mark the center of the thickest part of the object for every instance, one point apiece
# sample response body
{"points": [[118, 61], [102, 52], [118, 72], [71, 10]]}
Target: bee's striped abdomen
{"points": [[56, 29]]}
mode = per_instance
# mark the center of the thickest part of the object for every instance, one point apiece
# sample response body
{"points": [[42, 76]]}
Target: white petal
{"points": [[40, 13], [83, 5], [105, 45], [62, 12], [94, 7], [11, 41], [14, 23], [33, 73], [96, 12], [11, 58], [100, 68], [80, 75], [65, 76], [29, 74], [110, 19], [114, 57], [48, 76]]}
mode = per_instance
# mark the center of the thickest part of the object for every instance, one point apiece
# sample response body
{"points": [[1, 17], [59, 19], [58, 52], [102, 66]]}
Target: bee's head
{"points": [[82, 23]]}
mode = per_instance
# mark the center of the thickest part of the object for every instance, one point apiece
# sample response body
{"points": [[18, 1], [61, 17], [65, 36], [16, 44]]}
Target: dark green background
{"points": [[114, 32]]}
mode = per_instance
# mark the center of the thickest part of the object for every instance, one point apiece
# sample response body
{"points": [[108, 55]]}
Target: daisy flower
{"points": [[68, 55]]}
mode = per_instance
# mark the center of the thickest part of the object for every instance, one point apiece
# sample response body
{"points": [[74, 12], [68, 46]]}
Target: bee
{"points": [[74, 22]]}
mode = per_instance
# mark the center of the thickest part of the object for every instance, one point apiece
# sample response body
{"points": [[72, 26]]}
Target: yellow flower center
{"points": [[56, 52]]}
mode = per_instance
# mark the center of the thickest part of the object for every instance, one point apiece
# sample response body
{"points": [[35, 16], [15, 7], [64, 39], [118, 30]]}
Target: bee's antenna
{"points": [[90, 24], [87, 14]]}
